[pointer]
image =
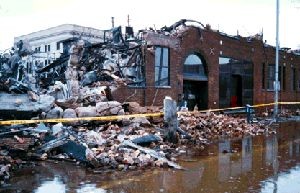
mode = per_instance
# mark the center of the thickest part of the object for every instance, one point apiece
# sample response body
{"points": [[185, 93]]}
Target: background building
{"points": [[48, 45]]}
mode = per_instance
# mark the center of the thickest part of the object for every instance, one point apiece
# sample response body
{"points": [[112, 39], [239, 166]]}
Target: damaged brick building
{"points": [[192, 63], [211, 69]]}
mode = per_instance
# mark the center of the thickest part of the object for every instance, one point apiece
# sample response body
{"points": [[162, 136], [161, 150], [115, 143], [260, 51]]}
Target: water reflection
{"points": [[55, 185], [90, 188], [253, 164], [234, 164], [285, 183], [247, 154]]}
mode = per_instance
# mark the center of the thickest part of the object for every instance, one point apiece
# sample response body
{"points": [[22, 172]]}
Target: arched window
{"points": [[194, 68]]}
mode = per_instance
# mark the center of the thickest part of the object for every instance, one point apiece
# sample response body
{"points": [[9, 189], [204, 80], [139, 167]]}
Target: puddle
{"points": [[254, 164]]}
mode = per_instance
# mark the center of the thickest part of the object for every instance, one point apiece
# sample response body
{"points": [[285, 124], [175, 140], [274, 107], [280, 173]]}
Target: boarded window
{"points": [[162, 71]]}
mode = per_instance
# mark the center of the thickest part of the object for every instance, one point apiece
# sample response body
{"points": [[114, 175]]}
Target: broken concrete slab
{"points": [[109, 108], [86, 111], [141, 121], [94, 138], [55, 113], [69, 113], [20, 105]]}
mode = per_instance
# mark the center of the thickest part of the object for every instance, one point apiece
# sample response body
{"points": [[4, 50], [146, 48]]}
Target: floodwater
{"points": [[254, 164]]}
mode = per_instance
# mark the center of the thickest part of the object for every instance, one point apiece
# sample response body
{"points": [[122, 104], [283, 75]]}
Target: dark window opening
{"points": [[283, 77], [236, 91], [162, 71], [293, 79], [297, 79], [48, 48], [194, 68], [271, 76], [263, 76], [58, 46], [45, 48]]}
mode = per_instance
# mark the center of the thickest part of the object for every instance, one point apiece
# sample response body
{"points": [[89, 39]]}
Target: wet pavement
{"points": [[254, 164]]}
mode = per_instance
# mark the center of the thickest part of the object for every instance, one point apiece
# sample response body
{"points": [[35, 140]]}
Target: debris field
{"points": [[79, 84]]}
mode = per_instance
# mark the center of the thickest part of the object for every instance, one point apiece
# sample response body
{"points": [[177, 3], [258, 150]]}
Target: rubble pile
{"points": [[80, 83], [5, 167], [202, 128], [128, 143], [77, 84], [288, 113]]}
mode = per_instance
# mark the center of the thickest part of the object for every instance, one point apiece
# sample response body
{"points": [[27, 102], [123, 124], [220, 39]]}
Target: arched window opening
{"points": [[194, 68]]}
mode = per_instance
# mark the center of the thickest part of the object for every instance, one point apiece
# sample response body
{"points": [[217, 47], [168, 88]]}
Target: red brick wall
{"points": [[207, 43]]}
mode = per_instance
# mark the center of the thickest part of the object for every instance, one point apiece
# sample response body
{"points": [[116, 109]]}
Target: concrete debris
{"points": [[93, 137], [22, 106], [135, 143], [152, 153], [80, 84], [109, 108], [55, 113], [69, 113], [86, 111]]}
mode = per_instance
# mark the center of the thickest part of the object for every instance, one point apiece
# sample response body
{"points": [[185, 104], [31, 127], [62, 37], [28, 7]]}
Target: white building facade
{"points": [[48, 45]]}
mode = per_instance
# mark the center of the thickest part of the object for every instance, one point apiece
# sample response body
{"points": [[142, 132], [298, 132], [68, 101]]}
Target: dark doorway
{"points": [[195, 82], [237, 91], [235, 82], [195, 93]]}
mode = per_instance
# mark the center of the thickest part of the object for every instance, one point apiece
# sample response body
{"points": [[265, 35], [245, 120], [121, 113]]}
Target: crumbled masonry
{"points": [[80, 84], [120, 145]]}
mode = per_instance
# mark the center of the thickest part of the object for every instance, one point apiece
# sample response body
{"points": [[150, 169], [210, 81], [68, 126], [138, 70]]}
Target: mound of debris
{"points": [[127, 143], [202, 128], [80, 83]]}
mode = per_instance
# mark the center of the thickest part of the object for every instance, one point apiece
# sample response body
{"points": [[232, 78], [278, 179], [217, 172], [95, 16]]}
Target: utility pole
{"points": [[112, 22], [277, 62], [128, 20]]}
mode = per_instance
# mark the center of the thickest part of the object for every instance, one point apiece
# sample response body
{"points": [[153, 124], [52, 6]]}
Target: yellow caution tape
{"points": [[64, 120], [235, 108], [118, 117]]}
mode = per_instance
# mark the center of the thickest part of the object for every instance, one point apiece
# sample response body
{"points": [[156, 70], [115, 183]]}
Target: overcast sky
{"points": [[248, 17]]}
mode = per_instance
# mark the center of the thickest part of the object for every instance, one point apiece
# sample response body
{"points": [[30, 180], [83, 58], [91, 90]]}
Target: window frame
{"points": [[158, 81], [271, 79]]}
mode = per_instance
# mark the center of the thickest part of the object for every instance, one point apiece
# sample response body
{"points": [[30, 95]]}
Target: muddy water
{"points": [[254, 164]]}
